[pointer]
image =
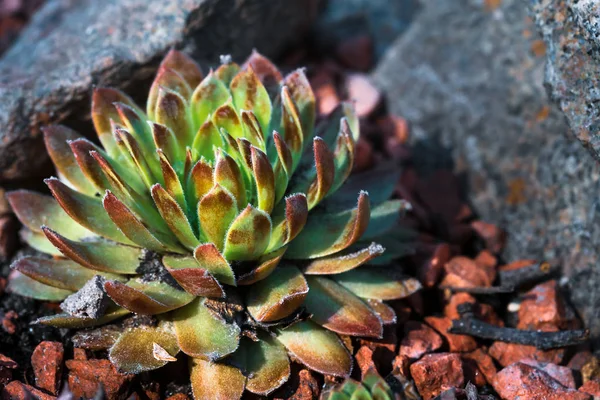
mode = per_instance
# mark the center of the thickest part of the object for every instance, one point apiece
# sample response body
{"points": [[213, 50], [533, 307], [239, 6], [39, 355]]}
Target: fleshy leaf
{"points": [[69, 321], [23, 285], [372, 284], [206, 139], [249, 94], [208, 257], [347, 260], [287, 226], [103, 111], [227, 71], [35, 210], [38, 241], [56, 138], [193, 278], [147, 298], [216, 381], [329, 127], [265, 180], [343, 155], [383, 218], [135, 230], [304, 98], [278, 295], [325, 173], [379, 182], [248, 235], [317, 348], [337, 309], [172, 111], [165, 139], [210, 94], [184, 66], [133, 352], [87, 211], [385, 312], [267, 364], [204, 334], [98, 255], [292, 129], [216, 212], [252, 130], [265, 70], [174, 216], [59, 273], [200, 181], [266, 265], [325, 234], [172, 184], [227, 118], [228, 175], [283, 166], [131, 151]]}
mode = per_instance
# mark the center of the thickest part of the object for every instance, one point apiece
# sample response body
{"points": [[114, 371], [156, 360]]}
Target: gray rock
{"points": [[70, 46], [470, 78], [90, 301], [571, 31]]}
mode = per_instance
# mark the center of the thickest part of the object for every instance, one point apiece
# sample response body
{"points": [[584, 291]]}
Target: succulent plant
{"points": [[372, 387], [224, 211]]}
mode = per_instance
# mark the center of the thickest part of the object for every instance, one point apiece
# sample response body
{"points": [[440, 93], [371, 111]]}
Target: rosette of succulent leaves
{"points": [[227, 212]]}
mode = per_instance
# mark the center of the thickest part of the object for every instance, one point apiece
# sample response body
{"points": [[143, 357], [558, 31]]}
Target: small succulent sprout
{"points": [[372, 387], [226, 213]]}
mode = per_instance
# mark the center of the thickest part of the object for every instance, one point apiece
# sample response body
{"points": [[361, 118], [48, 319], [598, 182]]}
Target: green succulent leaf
{"points": [[325, 234], [144, 348], [59, 273], [217, 381], [265, 266], [278, 295], [56, 138], [104, 112], [184, 66], [85, 210], [317, 348], [99, 255], [35, 210], [147, 298], [174, 216], [371, 284], [339, 310], [201, 333], [69, 321], [216, 212], [25, 286], [266, 364], [208, 257], [193, 278], [248, 236], [385, 312], [344, 261], [39, 242]]}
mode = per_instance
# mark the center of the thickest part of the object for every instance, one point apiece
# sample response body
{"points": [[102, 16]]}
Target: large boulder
{"points": [[70, 46], [471, 75], [570, 29]]}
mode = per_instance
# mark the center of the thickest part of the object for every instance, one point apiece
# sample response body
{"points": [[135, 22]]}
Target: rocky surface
{"points": [[476, 84], [570, 30], [70, 46]]}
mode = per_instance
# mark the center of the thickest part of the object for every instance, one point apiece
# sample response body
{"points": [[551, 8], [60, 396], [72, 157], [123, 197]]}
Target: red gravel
{"points": [[47, 362], [524, 382], [435, 373]]}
